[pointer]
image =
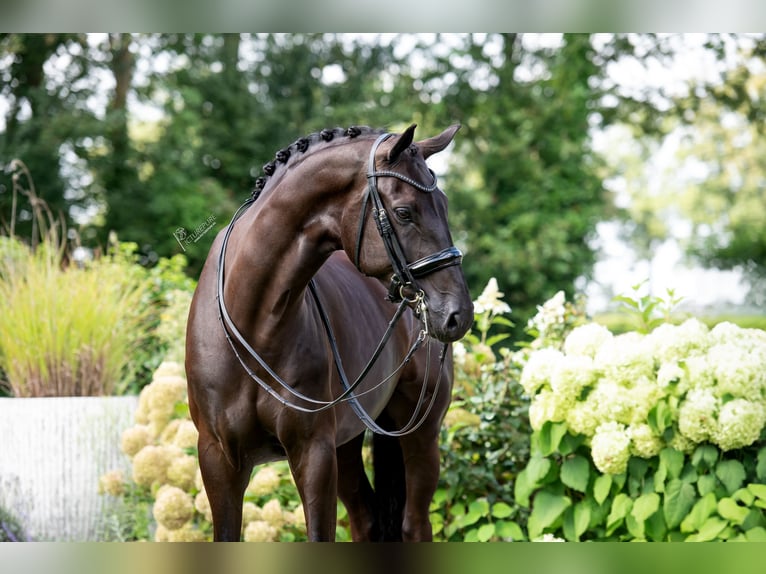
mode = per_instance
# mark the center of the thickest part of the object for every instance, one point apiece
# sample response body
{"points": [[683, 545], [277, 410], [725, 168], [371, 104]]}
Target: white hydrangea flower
{"points": [[173, 507], [669, 373], [643, 397], [260, 531], [546, 406], [251, 512], [265, 481], [490, 300], [571, 374], [539, 369], [610, 448], [697, 415], [673, 342], [182, 471], [643, 441], [612, 401], [737, 372], [698, 373], [583, 418], [587, 339], [272, 513], [625, 358], [740, 423], [202, 505]]}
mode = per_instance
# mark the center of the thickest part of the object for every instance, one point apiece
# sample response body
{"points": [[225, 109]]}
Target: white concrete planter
{"points": [[52, 454]]}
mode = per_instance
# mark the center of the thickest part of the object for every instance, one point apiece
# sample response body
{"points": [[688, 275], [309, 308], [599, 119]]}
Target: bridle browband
{"points": [[404, 277], [405, 274]]}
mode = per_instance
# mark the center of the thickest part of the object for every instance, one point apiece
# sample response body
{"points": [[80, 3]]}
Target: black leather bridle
{"points": [[405, 274]]}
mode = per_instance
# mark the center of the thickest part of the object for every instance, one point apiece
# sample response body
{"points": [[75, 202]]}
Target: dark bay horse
{"points": [[296, 299]]}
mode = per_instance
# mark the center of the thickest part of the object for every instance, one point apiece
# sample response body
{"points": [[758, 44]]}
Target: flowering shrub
{"points": [[164, 497], [646, 435], [485, 436]]}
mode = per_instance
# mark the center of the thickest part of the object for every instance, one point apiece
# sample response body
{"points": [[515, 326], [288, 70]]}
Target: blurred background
{"points": [[587, 163]]}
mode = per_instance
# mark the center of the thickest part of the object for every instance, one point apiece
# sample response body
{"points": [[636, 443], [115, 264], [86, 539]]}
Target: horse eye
{"points": [[403, 214]]}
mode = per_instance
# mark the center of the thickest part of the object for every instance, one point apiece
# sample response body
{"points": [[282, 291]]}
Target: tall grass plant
{"points": [[67, 328]]}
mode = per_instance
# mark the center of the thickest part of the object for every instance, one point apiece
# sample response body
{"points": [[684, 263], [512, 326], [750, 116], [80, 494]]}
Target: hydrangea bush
{"points": [[164, 497], [652, 435]]}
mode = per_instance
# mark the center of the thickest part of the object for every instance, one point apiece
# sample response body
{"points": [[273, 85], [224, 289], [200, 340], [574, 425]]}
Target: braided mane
{"points": [[301, 145]]}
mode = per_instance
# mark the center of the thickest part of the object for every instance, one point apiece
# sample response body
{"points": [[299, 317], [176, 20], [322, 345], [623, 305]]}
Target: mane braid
{"points": [[301, 145]]}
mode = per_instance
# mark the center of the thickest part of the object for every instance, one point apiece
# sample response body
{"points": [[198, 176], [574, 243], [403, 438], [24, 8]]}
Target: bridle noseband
{"points": [[405, 274]]}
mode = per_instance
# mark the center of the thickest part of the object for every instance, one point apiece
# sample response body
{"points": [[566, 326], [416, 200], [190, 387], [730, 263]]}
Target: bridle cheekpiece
{"points": [[403, 285]]}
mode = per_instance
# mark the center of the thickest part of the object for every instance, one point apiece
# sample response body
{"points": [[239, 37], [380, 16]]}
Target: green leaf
{"points": [[731, 473], [673, 461], [705, 456], [757, 534], [745, 496], [575, 473], [485, 532], [679, 498], [656, 529], [501, 510], [621, 505], [547, 509], [577, 520], [457, 510], [570, 443], [706, 484], [731, 511], [760, 467], [509, 530], [530, 479], [759, 490], [700, 512], [601, 487], [635, 528], [497, 338], [660, 417], [550, 436], [645, 505], [710, 530]]}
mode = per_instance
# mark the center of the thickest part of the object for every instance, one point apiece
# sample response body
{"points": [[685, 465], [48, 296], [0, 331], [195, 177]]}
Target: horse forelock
{"points": [[304, 145]]}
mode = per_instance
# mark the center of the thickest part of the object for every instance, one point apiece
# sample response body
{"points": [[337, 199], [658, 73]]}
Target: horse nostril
{"points": [[452, 321]]}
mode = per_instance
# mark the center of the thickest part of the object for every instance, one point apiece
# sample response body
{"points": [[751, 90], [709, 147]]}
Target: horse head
{"points": [[409, 245]]}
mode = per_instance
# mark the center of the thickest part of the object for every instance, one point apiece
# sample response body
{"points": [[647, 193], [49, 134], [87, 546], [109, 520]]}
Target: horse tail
{"points": [[390, 489]]}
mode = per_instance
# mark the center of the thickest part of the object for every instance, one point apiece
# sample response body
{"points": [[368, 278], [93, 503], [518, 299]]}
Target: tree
{"points": [[526, 191], [47, 114]]}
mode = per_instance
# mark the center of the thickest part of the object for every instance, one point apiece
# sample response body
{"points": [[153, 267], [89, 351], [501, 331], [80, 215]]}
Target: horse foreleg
{"points": [[225, 484], [313, 463], [421, 463], [355, 491]]}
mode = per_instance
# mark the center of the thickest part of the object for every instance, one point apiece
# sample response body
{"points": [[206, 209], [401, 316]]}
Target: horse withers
{"points": [[319, 313]]}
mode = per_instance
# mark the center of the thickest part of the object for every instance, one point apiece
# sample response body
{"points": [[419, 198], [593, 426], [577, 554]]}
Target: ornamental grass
{"points": [[66, 328]]}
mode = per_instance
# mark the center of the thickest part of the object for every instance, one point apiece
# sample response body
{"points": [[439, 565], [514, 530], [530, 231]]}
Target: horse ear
{"points": [[437, 143], [402, 142]]}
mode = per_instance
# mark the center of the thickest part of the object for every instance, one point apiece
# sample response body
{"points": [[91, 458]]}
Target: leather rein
{"points": [[403, 289]]}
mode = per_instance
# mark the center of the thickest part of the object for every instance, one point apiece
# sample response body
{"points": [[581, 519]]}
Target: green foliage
{"points": [[484, 439], [526, 194], [648, 311], [68, 330], [689, 489]]}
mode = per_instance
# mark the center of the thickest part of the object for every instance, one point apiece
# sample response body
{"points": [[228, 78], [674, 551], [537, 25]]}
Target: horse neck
{"points": [[284, 239]]}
